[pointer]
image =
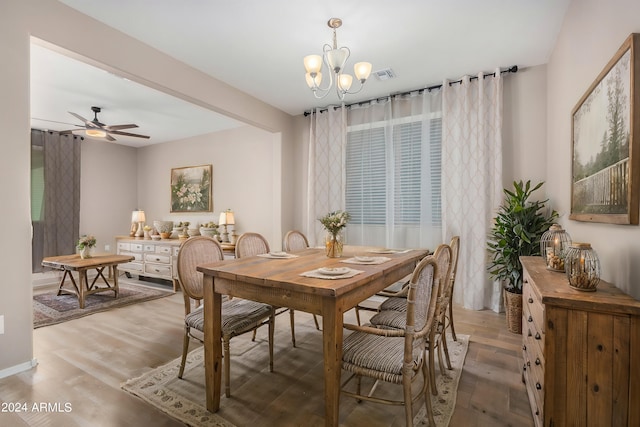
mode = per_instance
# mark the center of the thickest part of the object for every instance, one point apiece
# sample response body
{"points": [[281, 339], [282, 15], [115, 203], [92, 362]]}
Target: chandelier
{"points": [[334, 58]]}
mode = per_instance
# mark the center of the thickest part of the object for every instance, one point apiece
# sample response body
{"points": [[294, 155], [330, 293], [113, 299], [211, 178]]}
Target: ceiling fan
{"points": [[96, 129]]}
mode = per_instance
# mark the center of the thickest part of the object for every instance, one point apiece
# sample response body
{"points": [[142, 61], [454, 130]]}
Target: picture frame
{"points": [[605, 170], [191, 189]]}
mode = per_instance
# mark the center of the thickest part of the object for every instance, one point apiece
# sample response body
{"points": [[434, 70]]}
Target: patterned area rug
{"points": [[49, 309], [184, 399]]}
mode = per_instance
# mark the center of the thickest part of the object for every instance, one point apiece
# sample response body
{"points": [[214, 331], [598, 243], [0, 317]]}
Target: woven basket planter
{"points": [[513, 309]]}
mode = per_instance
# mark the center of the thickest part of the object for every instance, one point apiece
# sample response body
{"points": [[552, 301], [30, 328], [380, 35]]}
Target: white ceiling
{"points": [[257, 46]]}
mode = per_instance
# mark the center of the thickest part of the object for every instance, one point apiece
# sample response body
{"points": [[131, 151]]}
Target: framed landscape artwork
{"points": [[191, 189], [605, 137]]}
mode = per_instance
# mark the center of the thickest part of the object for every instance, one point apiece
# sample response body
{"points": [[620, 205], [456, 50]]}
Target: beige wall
{"points": [[591, 34], [108, 190], [99, 45], [245, 170]]}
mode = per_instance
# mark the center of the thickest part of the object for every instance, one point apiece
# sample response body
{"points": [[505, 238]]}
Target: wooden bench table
{"points": [[81, 288]]}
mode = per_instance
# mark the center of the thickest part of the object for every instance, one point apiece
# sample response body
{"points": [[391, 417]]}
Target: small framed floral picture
{"points": [[191, 189]]}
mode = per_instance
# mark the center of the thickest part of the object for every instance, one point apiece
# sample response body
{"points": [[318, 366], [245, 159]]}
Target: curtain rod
{"points": [[512, 69]]}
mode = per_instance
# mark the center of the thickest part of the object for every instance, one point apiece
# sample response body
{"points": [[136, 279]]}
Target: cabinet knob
{"points": [[530, 319], [529, 334], [528, 363], [538, 386], [538, 335], [524, 347], [538, 361], [530, 300]]}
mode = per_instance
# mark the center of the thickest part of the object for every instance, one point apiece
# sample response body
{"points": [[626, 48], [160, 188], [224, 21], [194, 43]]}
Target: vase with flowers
{"points": [[85, 243], [334, 223]]}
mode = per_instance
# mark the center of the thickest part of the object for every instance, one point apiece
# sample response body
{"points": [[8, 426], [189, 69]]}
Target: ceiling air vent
{"points": [[385, 74]]}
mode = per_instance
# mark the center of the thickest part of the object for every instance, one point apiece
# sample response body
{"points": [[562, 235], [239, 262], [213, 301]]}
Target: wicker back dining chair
{"points": [[397, 355], [238, 315], [295, 241], [391, 314], [251, 244]]}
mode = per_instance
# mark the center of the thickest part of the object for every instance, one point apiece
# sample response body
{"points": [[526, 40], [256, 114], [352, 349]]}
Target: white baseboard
{"points": [[18, 368]]}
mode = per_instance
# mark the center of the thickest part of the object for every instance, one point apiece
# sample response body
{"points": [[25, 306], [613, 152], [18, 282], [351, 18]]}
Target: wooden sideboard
{"points": [[581, 351]]}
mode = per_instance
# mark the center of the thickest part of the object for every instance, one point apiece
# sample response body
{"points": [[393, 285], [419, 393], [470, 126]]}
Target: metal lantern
{"points": [[582, 267], [554, 244]]}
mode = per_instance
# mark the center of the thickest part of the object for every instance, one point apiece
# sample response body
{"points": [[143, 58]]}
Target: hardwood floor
{"points": [[83, 362]]}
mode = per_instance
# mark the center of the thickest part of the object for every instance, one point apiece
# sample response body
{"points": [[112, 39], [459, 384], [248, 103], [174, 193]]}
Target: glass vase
{"points": [[85, 252], [334, 243]]}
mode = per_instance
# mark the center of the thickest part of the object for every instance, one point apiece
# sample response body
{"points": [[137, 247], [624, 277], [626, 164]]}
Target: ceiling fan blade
{"points": [[117, 132], [109, 137], [120, 127], [85, 121]]}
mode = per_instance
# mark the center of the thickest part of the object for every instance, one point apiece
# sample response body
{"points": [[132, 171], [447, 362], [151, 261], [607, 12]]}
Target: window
{"points": [[392, 183]]}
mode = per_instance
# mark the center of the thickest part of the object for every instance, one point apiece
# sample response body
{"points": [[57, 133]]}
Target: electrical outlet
{"points": [[107, 248], [2, 324]]}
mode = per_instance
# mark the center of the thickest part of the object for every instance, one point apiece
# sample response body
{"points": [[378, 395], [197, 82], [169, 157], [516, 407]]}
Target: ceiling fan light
{"points": [[313, 63], [96, 133], [362, 71]]}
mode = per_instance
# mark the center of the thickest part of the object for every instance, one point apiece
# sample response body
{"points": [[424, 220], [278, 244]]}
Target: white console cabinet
{"points": [[152, 258]]}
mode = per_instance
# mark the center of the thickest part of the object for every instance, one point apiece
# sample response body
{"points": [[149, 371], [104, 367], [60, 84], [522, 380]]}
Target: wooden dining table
{"points": [[280, 282], [82, 288]]}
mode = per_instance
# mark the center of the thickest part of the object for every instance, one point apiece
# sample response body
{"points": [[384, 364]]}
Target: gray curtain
{"points": [[56, 232]]}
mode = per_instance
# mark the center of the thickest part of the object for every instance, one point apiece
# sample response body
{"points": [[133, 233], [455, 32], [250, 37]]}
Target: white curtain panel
{"points": [[472, 181], [327, 140], [403, 128]]}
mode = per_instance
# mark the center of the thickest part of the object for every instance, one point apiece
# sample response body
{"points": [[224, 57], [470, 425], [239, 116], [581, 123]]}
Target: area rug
{"points": [[184, 399], [49, 308]]}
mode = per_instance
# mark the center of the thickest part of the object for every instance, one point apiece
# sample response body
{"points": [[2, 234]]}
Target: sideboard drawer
{"points": [[164, 259], [158, 270]]}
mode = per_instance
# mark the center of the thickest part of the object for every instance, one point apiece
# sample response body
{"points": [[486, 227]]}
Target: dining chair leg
{"points": [[293, 327], [453, 329], [427, 394], [253, 338], [185, 349], [227, 366], [432, 363], [272, 327], [445, 348], [358, 316], [408, 408]]}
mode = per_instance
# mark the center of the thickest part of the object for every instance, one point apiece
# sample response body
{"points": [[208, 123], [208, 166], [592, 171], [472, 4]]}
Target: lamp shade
{"points": [[226, 218], [313, 63], [138, 216], [345, 81], [362, 70]]}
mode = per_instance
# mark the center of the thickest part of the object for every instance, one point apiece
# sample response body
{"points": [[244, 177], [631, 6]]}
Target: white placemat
{"points": [[270, 256], [374, 260], [389, 251], [317, 275]]}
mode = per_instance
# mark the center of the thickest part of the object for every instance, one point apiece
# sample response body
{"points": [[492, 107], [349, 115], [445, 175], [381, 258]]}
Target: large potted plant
{"points": [[516, 232]]}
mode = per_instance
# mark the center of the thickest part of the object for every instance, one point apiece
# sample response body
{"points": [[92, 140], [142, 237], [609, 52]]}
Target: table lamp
{"points": [[226, 218], [138, 217]]}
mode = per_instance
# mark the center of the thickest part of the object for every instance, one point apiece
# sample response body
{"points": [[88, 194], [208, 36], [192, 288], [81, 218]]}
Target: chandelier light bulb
{"points": [[313, 63], [362, 70], [344, 82]]}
